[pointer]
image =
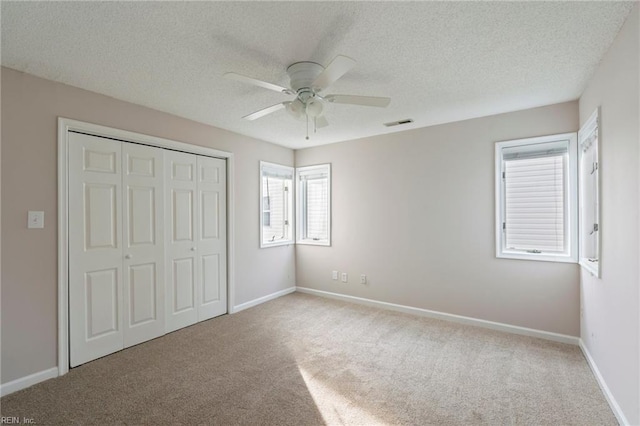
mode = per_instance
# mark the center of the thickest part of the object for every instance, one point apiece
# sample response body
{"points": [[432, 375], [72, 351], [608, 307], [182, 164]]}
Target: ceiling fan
{"points": [[308, 80]]}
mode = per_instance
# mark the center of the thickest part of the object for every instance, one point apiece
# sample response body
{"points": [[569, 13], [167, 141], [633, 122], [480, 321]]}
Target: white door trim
{"points": [[64, 126]]}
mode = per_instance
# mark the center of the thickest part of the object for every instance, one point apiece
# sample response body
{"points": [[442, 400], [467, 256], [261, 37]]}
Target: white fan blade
{"points": [[373, 101], [336, 69], [259, 83], [264, 111], [321, 121]]}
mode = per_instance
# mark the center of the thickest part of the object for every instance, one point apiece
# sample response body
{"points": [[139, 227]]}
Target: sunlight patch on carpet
{"points": [[335, 408]]}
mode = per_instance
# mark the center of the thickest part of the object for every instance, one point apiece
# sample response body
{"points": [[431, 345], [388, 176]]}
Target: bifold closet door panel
{"points": [[212, 237], [143, 237], [95, 248], [147, 243], [182, 274]]}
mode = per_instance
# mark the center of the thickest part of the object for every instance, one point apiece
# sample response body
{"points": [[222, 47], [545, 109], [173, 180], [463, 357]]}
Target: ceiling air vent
{"points": [[399, 122]]}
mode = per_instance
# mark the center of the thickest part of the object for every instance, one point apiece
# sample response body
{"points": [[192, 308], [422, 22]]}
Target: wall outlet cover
{"points": [[35, 220]]}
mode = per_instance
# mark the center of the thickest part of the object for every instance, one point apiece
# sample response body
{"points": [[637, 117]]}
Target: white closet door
{"points": [[95, 247], [182, 272], [147, 243], [143, 237], [212, 237]]}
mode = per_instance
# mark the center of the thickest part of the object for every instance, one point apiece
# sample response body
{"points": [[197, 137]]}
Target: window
{"points": [[314, 204], [266, 210], [588, 139], [536, 197], [276, 204]]}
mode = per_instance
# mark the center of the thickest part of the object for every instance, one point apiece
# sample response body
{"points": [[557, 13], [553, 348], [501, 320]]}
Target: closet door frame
{"points": [[65, 126]]}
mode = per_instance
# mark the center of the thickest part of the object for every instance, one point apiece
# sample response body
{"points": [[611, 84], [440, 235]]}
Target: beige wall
{"points": [[30, 107], [610, 325], [414, 211]]}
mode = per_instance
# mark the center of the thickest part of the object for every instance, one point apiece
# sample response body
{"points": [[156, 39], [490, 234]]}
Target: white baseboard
{"points": [[30, 380], [514, 329], [603, 386], [262, 299]]}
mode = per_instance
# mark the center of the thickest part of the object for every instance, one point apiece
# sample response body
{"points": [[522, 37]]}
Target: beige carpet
{"points": [[304, 360]]}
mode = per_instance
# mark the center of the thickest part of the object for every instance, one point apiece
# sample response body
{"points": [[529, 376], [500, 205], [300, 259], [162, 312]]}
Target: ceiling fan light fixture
{"points": [[296, 108], [314, 107]]}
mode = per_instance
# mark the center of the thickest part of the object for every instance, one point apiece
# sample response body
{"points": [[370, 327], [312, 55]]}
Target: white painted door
{"points": [[147, 243], [95, 248], [182, 272], [143, 237], [212, 237]]}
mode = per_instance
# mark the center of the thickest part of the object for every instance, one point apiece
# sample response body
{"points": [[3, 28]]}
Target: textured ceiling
{"points": [[438, 61]]}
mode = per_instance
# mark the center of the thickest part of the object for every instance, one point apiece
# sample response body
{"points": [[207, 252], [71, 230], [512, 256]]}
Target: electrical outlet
{"points": [[363, 279], [345, 277], [334, 275]]}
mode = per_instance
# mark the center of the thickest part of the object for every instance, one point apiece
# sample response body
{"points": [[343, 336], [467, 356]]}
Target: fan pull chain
{"points": [[307, 127]]}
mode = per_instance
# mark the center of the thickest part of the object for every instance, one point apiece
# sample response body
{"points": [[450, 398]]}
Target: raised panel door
{"points": [[182, 274], [143, 231], [95, 248], [212, 237]]}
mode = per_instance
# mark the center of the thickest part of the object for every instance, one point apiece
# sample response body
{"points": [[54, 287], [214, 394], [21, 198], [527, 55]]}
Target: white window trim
{"points": [[590, 126], [572, 208], [290, 240], [300, 220]]}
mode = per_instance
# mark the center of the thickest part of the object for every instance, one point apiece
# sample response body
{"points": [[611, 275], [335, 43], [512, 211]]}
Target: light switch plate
{"points": [[35, 220]]}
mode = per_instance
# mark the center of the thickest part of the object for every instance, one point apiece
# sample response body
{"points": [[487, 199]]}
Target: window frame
{"points": [[289, 214], [266, 211], [301, 207], [590, 127], [571, 200]]}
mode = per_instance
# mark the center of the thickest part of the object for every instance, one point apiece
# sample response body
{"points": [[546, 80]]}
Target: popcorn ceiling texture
{"points": [[438, 61]]}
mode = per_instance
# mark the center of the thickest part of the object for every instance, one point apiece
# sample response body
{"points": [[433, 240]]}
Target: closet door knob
{"points": [[193, 249], [128, 256]]}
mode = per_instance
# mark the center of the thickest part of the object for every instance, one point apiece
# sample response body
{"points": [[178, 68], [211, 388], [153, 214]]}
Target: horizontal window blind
{"points": [[314, 206], [535, 216], [276, 203], [276, 171], [317, 214], [274, 206]]}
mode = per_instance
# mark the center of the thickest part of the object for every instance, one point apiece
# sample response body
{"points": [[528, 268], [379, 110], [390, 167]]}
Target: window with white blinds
{"points": [[314, 204], [536, 194], [534, 202], [276, 204]]}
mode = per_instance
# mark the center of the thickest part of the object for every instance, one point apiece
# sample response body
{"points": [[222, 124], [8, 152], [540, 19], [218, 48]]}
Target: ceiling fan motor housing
{"points": [[303, 74]]}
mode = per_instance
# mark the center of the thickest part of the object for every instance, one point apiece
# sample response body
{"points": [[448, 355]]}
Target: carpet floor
{"points": [[305, 360]]}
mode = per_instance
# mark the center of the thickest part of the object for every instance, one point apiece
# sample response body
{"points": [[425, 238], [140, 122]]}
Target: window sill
{"points": [[314, 243], [540, 257], [277, 244]]}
